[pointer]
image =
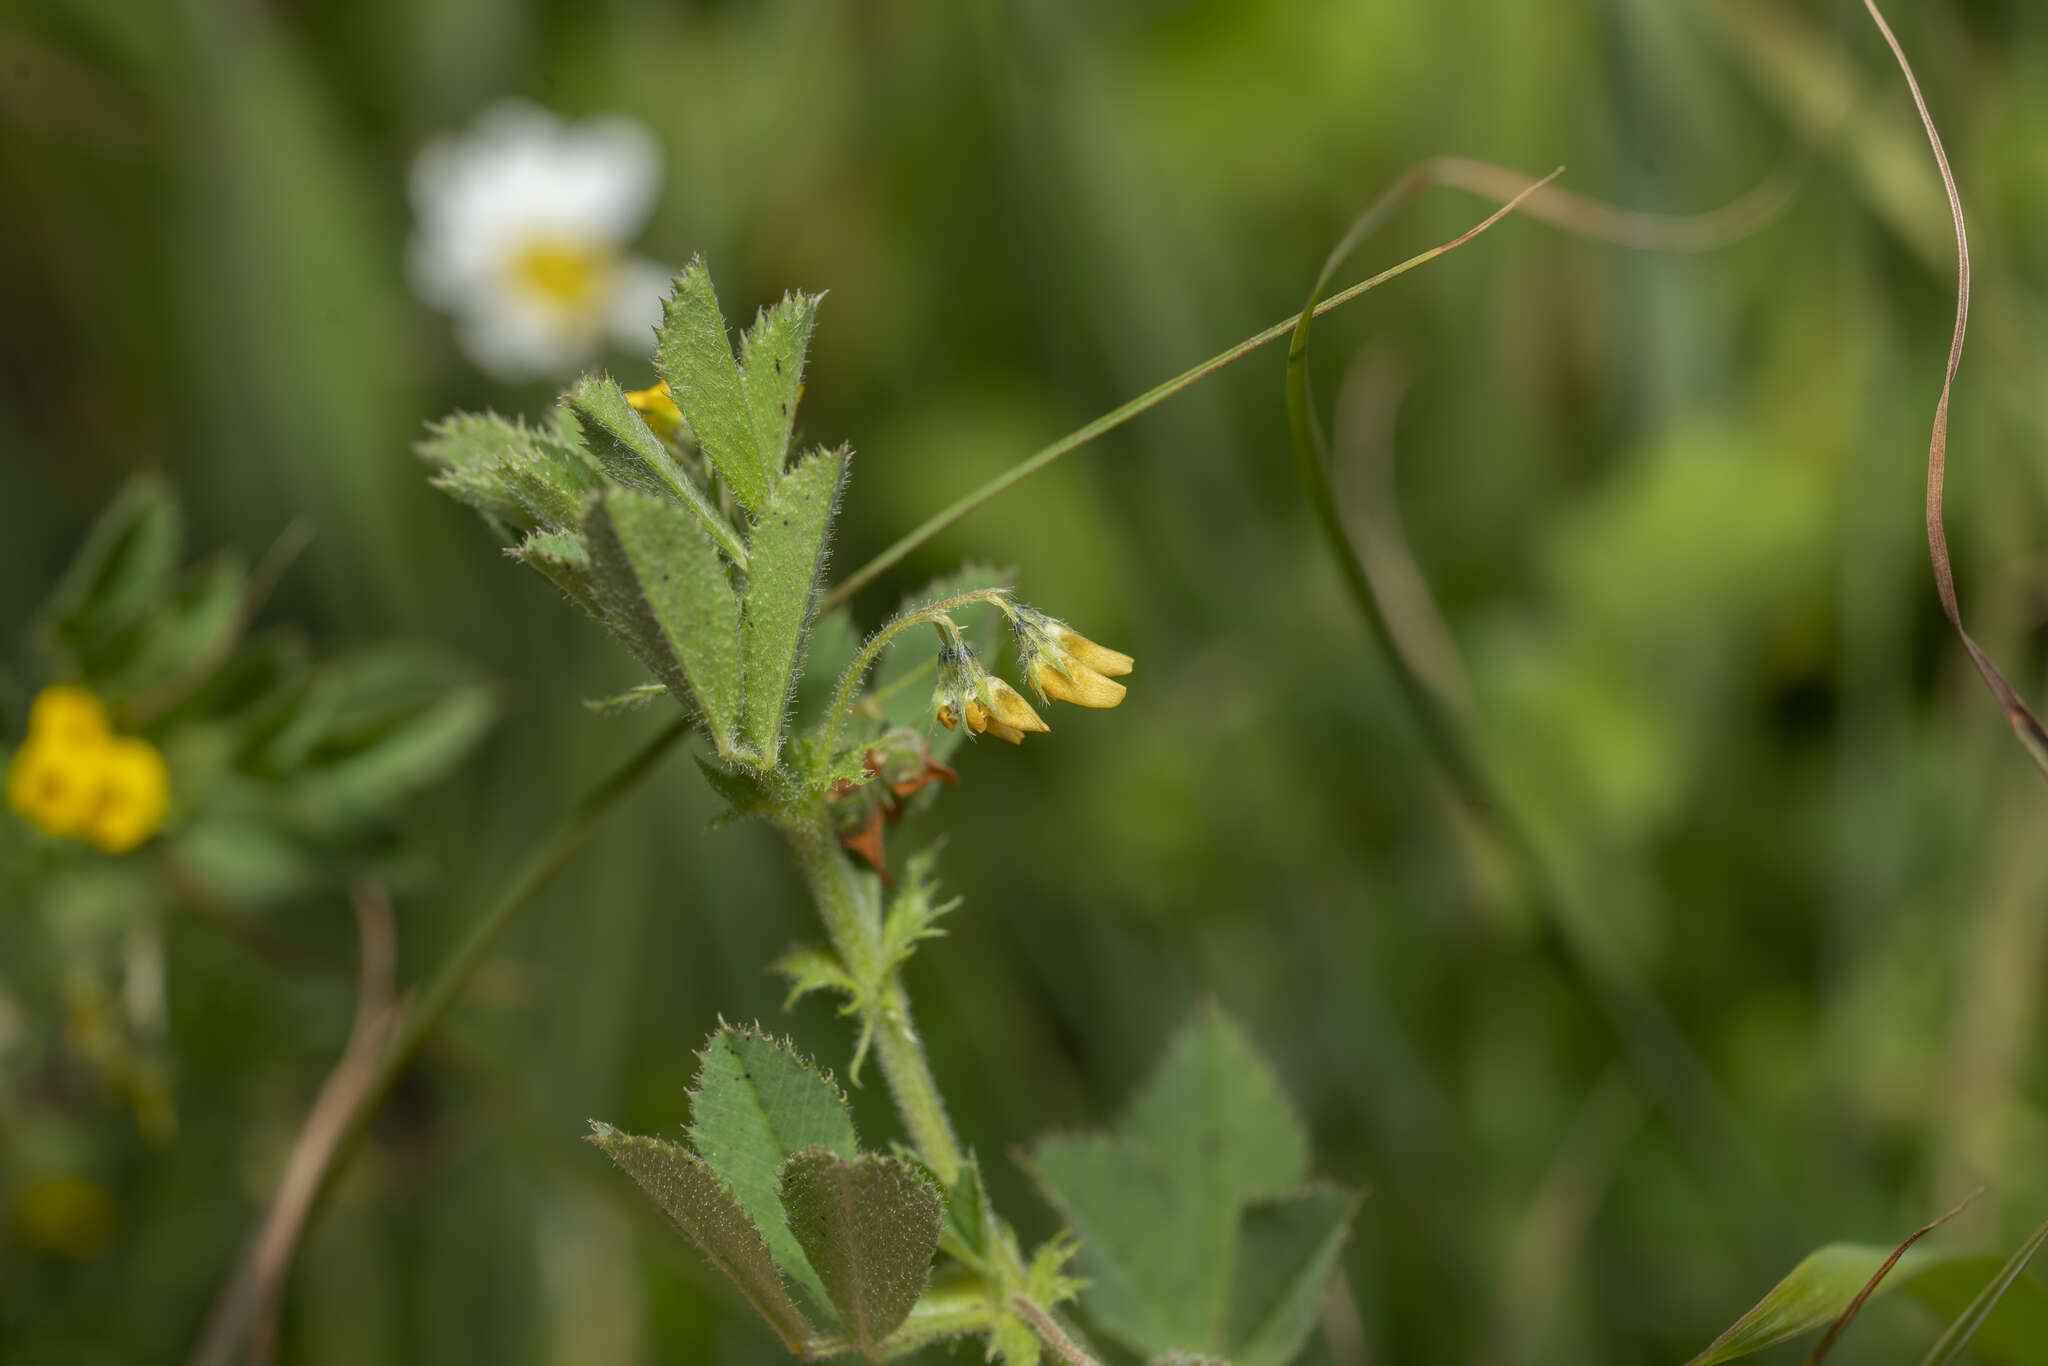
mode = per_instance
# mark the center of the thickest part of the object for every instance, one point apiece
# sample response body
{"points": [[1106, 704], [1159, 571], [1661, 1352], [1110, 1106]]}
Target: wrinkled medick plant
{"points": [[679, 518]]}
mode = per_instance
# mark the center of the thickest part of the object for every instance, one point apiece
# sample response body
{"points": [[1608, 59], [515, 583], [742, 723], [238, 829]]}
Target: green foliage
{"points": [[1967, 1325], [788, 555], [666, 594], [1196, 1228], [694, 355], [123, 571], [704, 1210], [777, 1184], [1967, 1289], [869, 1225], [772, 372]]}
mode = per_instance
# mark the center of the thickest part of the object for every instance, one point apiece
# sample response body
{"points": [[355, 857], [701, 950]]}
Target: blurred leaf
{"points": [[1193, 1230], [2015, 1333], [786, 554], [189, 635], [967, 1213], [635, 698], [1145, 1281], [869, 1225], [1953, 1343], [390, 728], [704, 1209], [666, 594], [772, 372], [756, 1103], [123, 570], [694, 354], [1286, 1250]]}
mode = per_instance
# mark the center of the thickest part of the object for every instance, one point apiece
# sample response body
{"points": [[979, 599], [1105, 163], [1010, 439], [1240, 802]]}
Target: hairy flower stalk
{"points": [[849, 904]]}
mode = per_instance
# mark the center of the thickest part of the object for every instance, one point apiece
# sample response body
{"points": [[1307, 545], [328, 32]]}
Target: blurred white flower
{"points": [[522, 227]]}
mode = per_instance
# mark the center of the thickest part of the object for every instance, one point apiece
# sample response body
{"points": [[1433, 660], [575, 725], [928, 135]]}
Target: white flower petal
{"points": [[635, 308], [521, 178], [512, 339]]}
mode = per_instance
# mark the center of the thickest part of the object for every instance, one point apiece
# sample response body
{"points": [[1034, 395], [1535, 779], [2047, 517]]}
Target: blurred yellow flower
{"points": [[74, 777], [134, 794]]}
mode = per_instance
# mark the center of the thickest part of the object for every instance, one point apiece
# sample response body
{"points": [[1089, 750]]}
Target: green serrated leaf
{"points": [[1286, 1250], [704, 1209], [787, 553], [565, 562], [694, 354], [1146, 1280], [772, 372], [667, 596], [967, 1214], [756, 1103], [869, 1225], [509, 472], [813, 967], [620, 439], [916, 910]]}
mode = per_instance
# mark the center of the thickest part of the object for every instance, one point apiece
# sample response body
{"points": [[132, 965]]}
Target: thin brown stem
{"points": [[245, 1312], [2024, 723]]}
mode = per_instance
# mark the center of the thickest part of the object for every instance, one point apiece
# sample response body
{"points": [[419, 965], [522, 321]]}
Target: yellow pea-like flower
{"points": [[134, 794], [988, 705], [1063, 665]]}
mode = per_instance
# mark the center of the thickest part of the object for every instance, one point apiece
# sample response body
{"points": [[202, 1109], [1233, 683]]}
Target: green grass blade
{"points": [[1952, 1343]]}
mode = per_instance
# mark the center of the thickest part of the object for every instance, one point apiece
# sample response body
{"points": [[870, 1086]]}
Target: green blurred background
{"points": [[1671, 507]]}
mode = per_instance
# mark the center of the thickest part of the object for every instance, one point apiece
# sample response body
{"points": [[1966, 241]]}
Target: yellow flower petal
{"points": [[1010, 709], [134, 794], [54, 783], [658, 407], [68, 714], [1082, 686], [1100, 658], [1003, 732]]}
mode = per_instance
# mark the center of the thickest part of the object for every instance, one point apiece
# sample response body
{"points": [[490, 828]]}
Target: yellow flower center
{"points": [[567, 275]]}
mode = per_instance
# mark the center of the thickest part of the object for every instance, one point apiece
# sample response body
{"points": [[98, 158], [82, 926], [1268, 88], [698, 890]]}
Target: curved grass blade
{"points": [[1571, 213], [2025, 725], [1848, 1315], [1951, 1344]]}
